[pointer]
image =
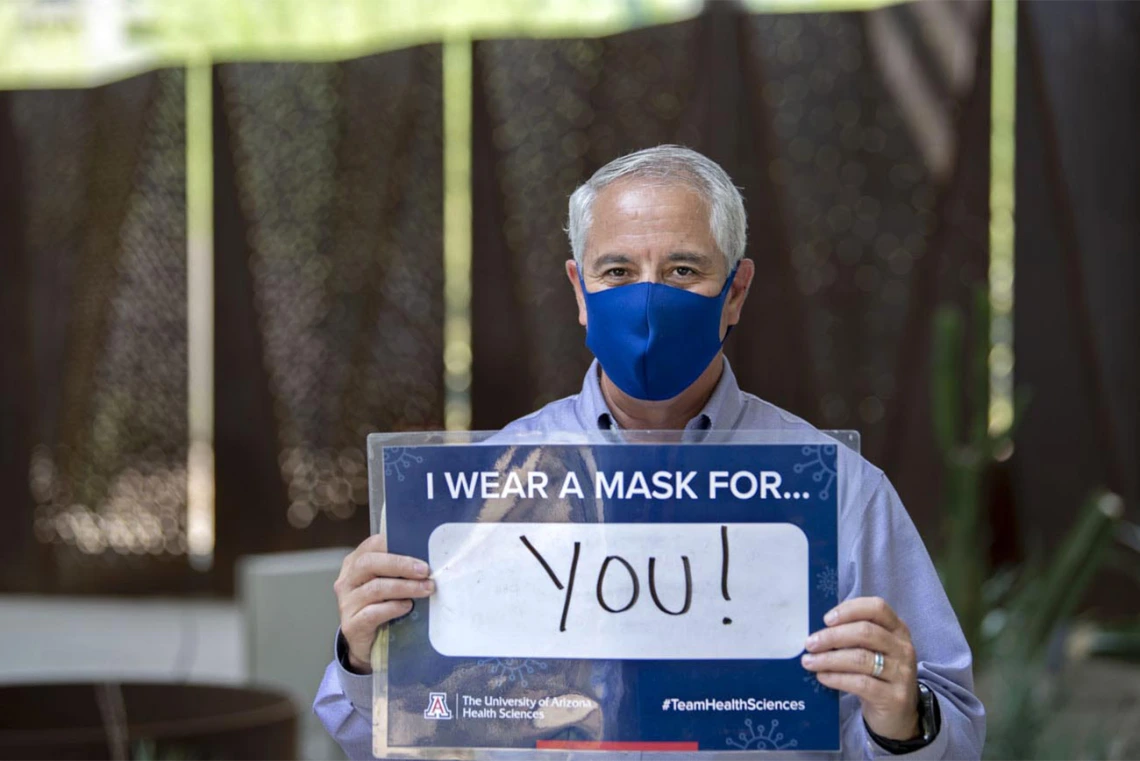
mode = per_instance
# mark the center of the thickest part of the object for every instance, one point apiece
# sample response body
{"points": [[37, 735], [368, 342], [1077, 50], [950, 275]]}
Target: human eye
{"points": [[615, 273], [685, 274]]}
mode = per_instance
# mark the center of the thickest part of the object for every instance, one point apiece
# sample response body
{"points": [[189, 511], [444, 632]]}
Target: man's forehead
{"points": [[636, 215], [635, 207]]}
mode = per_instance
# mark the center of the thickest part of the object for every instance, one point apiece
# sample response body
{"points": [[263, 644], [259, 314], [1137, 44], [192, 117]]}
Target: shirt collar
{"points": [[721, 412]]}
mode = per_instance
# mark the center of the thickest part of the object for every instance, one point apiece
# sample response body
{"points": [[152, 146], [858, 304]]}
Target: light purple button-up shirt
{"points": [[880, 554]]}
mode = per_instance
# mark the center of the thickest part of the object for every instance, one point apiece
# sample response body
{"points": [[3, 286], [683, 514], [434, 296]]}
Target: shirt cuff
{"points": [[932, 752], [356, 687]]}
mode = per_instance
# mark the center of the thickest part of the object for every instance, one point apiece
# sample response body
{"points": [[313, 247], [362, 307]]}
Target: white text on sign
{"points": [[635, 484]]}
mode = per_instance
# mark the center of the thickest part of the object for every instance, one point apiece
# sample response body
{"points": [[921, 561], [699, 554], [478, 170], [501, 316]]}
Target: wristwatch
{"points": [[929, 722]]}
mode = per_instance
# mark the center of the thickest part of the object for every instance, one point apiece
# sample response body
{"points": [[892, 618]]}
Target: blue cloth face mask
{"points": [[653, 340]]}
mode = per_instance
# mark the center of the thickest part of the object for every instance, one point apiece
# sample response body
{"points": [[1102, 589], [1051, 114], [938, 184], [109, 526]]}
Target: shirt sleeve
{"points": [[344, 705], [888, 559]]}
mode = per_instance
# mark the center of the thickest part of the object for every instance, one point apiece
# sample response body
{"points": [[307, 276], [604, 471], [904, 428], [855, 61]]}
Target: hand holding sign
{"points": [[373, 588], [844, 657]]}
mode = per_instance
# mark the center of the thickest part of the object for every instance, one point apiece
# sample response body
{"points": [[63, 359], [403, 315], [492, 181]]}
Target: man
{"points": [[659, 274]]}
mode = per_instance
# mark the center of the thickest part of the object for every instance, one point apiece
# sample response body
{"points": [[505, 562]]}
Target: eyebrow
{"points": [[689, 257], [606, 260]]}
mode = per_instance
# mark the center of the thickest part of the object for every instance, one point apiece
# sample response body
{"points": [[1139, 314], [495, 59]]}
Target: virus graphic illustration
{"points": [[821, 472], [512, 669], [397, 462], [827, 582], [759, 737]]}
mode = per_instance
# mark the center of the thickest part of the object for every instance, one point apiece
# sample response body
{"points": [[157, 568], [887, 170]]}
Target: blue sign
{"points": [[622, 597]]}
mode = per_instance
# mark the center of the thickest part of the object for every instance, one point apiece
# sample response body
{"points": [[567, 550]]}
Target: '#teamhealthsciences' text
{"points": [[732, 704]]}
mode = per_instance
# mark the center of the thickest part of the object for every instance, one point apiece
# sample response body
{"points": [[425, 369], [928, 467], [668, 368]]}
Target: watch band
{"points": [[929, 724]]}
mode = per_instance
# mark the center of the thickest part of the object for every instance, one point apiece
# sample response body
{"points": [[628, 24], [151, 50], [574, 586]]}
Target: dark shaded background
{"points": [[1077, 319], [329, 303], [328, 258]]}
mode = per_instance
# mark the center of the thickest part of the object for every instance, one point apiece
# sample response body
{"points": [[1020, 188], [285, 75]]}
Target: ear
{"points": [[737, 293], [576, 284]]}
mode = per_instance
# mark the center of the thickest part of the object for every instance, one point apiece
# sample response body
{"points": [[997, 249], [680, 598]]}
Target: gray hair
{"points": [[668, 163]]}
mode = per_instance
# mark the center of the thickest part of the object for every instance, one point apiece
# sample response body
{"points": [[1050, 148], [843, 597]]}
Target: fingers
{"points": [[375, 587], [360, 628], [843, 658], [854, 660], [379, 590], [874, 609], [368, 565], [890, 708], [860, 634], [869, 689], [371, 617], [374, 543]]}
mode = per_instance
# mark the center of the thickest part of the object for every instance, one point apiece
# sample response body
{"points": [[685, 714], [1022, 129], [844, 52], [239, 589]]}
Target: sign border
{"points": [[377, 442]]}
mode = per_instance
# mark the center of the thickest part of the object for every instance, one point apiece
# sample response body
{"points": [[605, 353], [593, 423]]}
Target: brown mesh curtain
{"points": [[329, 271], [861, 143], [866, 192], [1077, 326], [93, 428]]}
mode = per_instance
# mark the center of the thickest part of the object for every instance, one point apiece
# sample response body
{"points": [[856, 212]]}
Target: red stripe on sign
{"points": [[587, 745]]}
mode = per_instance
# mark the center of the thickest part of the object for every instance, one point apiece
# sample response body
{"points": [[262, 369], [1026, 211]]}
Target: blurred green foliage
{"points": [[1017, 620]]}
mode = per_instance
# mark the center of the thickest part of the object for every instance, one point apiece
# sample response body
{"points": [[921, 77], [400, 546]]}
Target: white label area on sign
{"points": [[657, 591]]}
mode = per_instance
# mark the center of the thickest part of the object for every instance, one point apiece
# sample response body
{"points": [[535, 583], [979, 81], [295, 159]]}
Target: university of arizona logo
{"points": [[437, 706]]}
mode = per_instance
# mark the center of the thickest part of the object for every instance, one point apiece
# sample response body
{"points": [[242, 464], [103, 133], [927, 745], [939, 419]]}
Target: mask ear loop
{"points": [[723, 295]]}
